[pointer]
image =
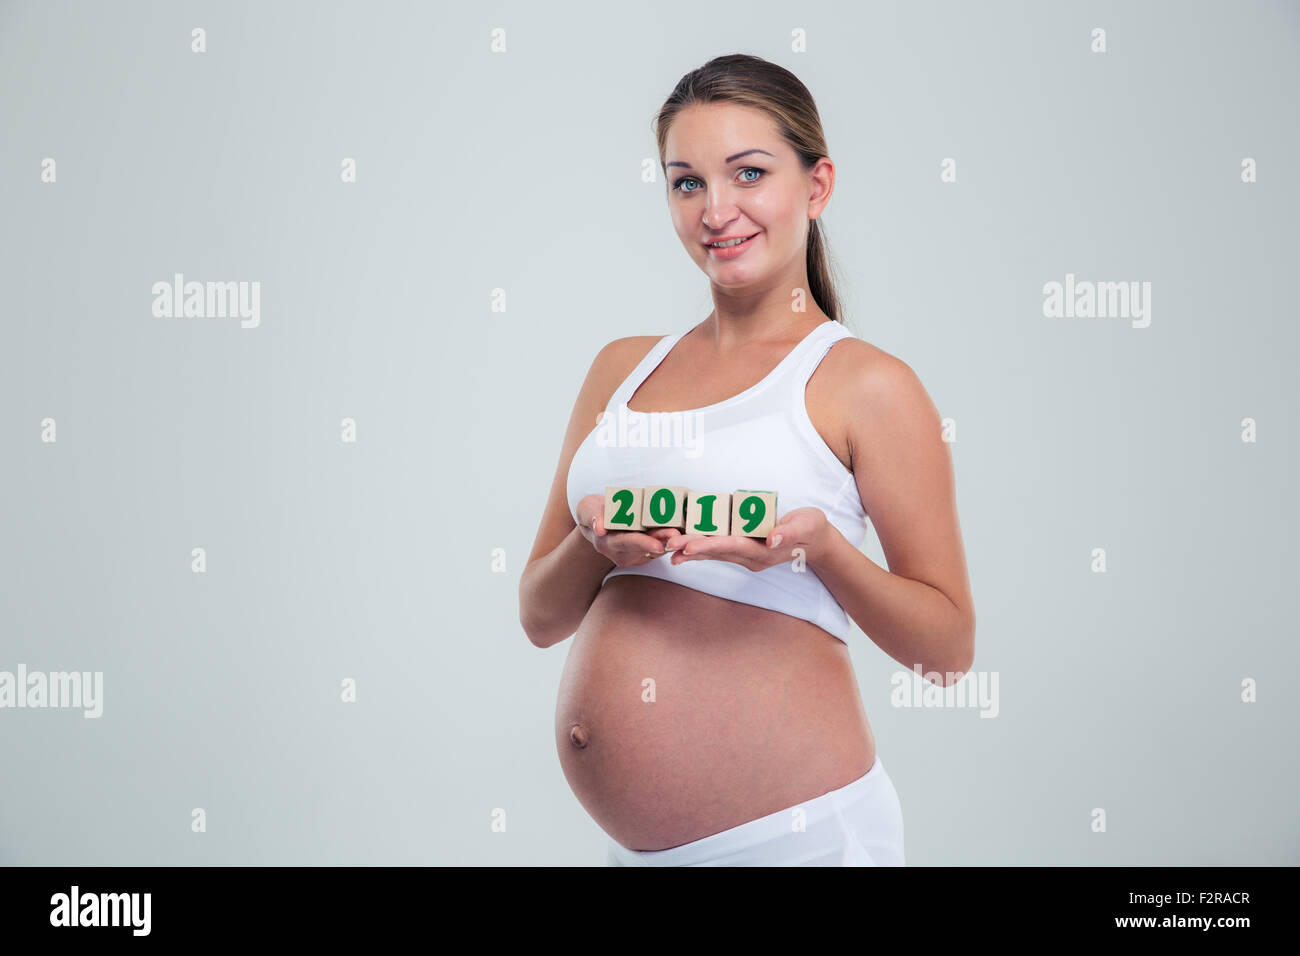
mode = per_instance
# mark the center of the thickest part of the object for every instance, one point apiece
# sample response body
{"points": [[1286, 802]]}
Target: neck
{"points": [[762, 315]]}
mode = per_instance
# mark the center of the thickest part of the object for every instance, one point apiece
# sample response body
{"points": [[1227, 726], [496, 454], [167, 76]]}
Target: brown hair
{"points": [[752, 81]]}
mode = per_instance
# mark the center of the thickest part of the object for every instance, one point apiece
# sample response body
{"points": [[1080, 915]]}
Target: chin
{"points": [[735, 276]]}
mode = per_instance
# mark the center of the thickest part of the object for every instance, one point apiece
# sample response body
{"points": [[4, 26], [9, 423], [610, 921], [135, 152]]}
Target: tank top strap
{"points": [[818, 344], [644, 368]]}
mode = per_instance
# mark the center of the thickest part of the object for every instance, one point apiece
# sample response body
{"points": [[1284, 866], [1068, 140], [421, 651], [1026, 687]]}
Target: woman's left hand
{"points": [[804, 528]]}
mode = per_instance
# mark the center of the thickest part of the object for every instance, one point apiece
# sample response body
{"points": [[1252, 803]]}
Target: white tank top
{"points": [[761, 439]]}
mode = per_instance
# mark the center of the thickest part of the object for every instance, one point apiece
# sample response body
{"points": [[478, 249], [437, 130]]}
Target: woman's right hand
{"points": [[625, 548]]}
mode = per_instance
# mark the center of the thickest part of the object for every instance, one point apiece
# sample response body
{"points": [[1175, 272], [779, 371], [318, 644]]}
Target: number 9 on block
{"points": [[753, 513]]}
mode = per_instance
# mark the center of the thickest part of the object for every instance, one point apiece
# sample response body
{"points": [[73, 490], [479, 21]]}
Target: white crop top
{"points": [[760, 439]]}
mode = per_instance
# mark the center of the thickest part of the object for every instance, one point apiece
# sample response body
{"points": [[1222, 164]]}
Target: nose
{"points": [[718, 210]]}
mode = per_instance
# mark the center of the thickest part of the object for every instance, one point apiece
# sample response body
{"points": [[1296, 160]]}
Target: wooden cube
{"points": [[623, 509], [753, 513], [708, 512], [664, 506]]}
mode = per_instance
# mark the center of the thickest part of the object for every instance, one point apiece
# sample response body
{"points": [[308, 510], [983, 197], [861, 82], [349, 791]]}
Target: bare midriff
{"points": [[753, 711]]}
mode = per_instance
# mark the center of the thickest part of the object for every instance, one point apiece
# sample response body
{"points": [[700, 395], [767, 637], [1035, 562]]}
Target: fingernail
{"points": [[776, 541]]}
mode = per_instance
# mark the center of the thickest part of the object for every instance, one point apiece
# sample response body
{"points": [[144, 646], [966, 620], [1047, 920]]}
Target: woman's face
{"points": [[731, 174]]}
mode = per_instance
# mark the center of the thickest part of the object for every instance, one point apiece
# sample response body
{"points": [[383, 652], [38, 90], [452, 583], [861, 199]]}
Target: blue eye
{"points": [[748, 169]]}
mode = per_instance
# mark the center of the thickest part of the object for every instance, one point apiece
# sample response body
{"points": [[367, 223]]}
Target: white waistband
{"points": [[819, 809]]}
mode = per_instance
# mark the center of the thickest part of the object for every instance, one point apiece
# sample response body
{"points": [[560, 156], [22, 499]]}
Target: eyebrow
{"points": [[730, 159]]}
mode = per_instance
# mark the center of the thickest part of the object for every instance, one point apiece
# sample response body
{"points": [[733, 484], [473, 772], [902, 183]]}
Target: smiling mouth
{"points": [[730, 243]]}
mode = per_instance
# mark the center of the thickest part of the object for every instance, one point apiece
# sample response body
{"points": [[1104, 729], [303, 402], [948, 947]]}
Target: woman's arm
{"points": [[564, 571], [920, 611], [556, 589]]}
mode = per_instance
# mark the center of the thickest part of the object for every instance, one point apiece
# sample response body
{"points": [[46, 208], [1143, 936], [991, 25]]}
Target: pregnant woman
{"points": [[708, 712]]}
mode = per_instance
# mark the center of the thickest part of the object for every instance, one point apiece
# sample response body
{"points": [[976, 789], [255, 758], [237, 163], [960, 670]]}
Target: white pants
{"points": [[860, 824]]}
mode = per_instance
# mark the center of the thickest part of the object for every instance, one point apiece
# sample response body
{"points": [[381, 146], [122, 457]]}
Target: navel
{"points": [[578, 736]]}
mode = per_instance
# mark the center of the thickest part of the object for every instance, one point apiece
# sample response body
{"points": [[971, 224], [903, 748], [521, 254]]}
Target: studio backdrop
{"points": [[260, 546]]}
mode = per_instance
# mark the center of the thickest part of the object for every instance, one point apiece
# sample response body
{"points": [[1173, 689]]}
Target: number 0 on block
{"points": [[664, 506]]}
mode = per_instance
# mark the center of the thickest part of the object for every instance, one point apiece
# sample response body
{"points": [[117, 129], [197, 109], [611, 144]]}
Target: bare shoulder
{"points": [[861, 398], [616, 360], [628, 351], [857, 372]]}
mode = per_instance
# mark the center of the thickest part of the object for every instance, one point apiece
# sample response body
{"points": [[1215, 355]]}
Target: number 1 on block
{"points": [[708, 513]]}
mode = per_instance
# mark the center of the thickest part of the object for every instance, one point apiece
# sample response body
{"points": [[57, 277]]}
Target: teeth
{"points": [[729, 243]]}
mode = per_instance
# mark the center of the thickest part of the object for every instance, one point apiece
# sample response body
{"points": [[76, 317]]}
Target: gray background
{"points": [[521, 171]]}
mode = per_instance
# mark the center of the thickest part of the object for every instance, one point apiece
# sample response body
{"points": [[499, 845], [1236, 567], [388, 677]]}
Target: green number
{"points": [[752, 511], [623, 498], [706, 513], [661, 505]]}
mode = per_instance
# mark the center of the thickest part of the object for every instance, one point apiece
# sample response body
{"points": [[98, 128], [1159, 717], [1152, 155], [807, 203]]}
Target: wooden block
{"points": [[664, 506], [708, 512], [623, 509], [753, 513]]}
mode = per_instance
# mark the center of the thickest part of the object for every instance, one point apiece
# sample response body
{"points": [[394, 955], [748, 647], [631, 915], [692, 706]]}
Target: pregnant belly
{"points": [[681, 714]]}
